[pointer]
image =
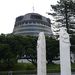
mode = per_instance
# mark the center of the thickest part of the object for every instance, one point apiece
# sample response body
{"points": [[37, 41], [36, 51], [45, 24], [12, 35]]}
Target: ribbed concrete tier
{"points": [[32, 24]]}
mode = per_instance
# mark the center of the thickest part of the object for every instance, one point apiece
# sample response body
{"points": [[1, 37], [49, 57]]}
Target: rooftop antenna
{"points": [[33, 8]]}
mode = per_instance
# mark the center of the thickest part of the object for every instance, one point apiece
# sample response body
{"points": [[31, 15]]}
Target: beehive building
{"points": [[31, 24]]}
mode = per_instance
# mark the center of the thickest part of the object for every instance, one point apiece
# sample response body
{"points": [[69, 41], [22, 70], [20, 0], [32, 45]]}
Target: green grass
{"points": [[73, 67], [24, 66], [53, 68], [30, 68]]}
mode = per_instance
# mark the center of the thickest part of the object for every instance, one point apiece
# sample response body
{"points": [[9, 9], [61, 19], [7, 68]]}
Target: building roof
{"points": [[33, 16]]}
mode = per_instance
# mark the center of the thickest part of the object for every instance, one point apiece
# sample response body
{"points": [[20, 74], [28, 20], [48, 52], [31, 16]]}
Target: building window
{"points": [[36, 17], [19, 18]]}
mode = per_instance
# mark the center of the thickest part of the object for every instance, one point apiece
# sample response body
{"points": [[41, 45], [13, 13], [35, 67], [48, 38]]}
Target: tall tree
{"points": [[64, 13]]}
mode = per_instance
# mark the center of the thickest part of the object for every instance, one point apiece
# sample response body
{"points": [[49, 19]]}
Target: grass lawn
{"points": [[28, 67], [50, 67], [24, 66], [53, 68]]}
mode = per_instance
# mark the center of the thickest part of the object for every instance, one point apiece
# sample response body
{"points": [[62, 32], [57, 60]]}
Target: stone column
{"points": [[41, 54], [65, 64]]}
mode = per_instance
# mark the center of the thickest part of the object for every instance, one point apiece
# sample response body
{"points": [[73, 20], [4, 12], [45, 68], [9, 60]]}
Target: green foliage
{"points": [[13, 47], [52, 47], [72, 40], [65, 12]]}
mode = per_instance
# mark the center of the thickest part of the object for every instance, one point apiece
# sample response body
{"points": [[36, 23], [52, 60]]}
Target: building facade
{"points": [[32, 24]]}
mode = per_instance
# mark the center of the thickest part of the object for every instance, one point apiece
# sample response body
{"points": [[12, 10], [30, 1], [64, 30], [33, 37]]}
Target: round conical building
{"points": [[32, 24]]}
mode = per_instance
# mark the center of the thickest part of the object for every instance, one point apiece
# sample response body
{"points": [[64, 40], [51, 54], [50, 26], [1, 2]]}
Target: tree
{"points": [[31, 52], [52, 47], [10, 49], [21, 46], [64, 13], [14, 47], [6, 56], [72, 39]]}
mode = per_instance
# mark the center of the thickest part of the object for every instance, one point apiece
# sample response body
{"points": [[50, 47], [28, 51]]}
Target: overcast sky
{"points": [[10, 9]]}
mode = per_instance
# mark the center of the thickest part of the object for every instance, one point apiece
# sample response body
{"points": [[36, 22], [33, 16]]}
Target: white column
{"points": [[41, 55], [65, 63]]}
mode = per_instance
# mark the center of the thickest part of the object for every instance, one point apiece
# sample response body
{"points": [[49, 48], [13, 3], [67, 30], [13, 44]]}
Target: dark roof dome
{"points": [[33, 16]]}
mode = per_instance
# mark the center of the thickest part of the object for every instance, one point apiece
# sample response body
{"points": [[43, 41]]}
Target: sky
{"points": [[10, 9]]}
